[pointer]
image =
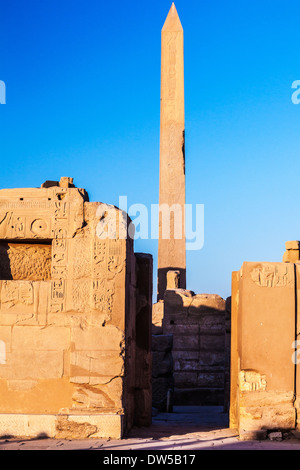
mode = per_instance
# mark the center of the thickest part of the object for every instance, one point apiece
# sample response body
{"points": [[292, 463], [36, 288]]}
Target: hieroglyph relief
{"points": [[252, 381], [13, 292], [271, 276]]}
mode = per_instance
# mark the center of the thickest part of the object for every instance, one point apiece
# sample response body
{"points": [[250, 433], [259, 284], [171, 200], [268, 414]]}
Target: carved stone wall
{"points": [[67, 314], [264, 327]]}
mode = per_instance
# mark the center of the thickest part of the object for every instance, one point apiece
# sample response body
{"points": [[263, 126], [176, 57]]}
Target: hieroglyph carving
{"points": [[13, 292], [271, 276], [108, 262], [251, 381]]}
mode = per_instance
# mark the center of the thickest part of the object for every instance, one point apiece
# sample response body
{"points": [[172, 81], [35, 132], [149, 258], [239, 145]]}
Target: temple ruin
{"points": [[85, 354], [75, 310]]}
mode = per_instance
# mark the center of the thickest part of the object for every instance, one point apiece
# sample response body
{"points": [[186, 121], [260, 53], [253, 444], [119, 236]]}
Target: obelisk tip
{"points": [[172, 22]]}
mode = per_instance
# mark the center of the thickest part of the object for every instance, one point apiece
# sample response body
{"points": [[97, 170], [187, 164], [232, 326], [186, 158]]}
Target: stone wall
{"points": [[68, 332], [197, 323], [264, 372], [200, 329]]}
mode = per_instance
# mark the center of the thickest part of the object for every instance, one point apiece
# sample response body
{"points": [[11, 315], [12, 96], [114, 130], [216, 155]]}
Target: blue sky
{"points": [[83, 100]]}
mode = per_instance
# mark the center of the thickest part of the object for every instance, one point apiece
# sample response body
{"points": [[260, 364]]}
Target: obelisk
{"points": [[172, 249]]}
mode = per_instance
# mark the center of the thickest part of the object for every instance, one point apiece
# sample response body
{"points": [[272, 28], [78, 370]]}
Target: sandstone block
{"points": [[100, 398], [29, 365], [160, 388], [162, 343], [95, 367], [212, 342], [184, 379], [173, 279], [263, 334], [211, 379], [162, 364], [5, 340], [186, 365], [291, 256], [157, 318], [107, 338], [37, 338], [292, 245], [189, 342]]}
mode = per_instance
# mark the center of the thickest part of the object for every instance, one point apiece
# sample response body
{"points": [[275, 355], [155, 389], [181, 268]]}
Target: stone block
{"points": [[143, 397], [106, 338], [186, 365], [95, 367], [50, 338], [162, 364], [182, 355], [211, 379], [184, 379], [100, 398], [291, 256], [63, 426], [292, 245], [263, 331], [30, 365], [212, 322], [157, 317], [187, 343], [173, 280], [161, 386], [162, 343], [5, 341], [181, 329], [214, 343]]}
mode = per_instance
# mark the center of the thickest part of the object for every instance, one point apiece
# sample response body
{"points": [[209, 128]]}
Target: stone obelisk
{"points": [[171, 246]]}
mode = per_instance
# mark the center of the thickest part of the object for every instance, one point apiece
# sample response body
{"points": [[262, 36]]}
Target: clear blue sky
{"points": [[83, 100]]}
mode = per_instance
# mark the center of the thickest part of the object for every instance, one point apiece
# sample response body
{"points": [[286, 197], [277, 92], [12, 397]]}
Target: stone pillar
{"points": [[143, 359], [171, 245], [263, 333]]}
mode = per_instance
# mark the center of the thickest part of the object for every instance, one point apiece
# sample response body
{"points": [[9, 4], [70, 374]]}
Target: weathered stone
{"points": [[162, 364], [39, 338], [161, 386], [66, 429], [157, 317], [72, 299], [171, 244], [24, 261], [291, 256], [292, 245], [162, 343], [263, 332], [276, 436], [173, 280]]}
